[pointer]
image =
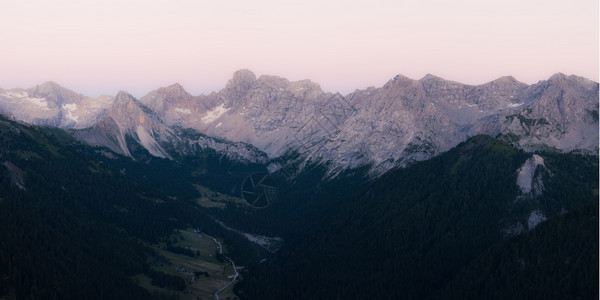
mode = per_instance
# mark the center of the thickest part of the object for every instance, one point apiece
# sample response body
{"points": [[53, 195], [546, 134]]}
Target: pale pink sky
{"points": [[100, 47]]}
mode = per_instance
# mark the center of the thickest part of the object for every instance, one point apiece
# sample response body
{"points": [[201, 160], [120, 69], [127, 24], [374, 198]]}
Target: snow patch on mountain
{"points": [[214, 114], [514, 105], [25, 99], [15, 94], [69, 109], [40, 102], [183, 111]]}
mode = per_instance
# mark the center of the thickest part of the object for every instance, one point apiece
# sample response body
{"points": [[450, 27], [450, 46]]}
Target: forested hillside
{"points": [[76, 222], [414, 230], [557, 260]]}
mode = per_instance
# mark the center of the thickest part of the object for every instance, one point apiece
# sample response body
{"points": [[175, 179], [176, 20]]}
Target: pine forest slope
{"points": [[77, 222], [411, 232]]}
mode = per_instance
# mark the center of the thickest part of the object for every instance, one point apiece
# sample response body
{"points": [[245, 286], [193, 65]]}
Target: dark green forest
{"points": [[423, 232], [76, 222], [557, 260]]}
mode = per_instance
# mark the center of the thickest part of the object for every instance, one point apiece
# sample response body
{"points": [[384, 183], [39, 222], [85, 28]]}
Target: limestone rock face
{"points": [[127, 117]]}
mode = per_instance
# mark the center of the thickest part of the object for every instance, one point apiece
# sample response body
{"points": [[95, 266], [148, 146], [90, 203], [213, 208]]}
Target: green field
{"points": [[211, 199], [197, 287]]}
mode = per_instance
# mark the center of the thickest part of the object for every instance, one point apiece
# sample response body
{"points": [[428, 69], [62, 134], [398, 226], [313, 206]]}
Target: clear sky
{"points": [[99, 47]]}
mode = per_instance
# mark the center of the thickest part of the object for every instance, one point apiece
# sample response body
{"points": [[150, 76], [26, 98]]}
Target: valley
{"points": [[271, 189], [205, 273]]}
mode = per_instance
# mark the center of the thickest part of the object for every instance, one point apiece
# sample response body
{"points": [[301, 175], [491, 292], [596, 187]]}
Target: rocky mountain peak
{"points": [[49, 87], [173, 103], [398, 78], [125, 106], [175, 88], [239, 85], [273, 81], [399, 84], [443, 90], [307, 86], [431, 77], [171, 93], [124, 97], [432, 80], [558, 77], [506, 80], [242, 77], [54, 93], [305, 89], [126, 110], [571, 81]]}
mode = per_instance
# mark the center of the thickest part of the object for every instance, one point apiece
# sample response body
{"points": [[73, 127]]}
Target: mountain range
{"points": [[258, 119], [419, 189]]}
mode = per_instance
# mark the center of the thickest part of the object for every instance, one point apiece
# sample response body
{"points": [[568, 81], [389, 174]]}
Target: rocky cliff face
{"points": [[129, 120], [405, 120], [561, 112]]}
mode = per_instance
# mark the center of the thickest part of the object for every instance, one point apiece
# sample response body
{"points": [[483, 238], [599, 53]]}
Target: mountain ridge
{"points": [[179, 85], [403, 121]]}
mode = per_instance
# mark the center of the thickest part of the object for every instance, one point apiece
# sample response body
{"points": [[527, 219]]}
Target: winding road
{"points": [[220, 249]]}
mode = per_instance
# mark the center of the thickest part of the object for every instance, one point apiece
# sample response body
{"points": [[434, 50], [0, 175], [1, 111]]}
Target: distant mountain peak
{"points": [[243, 76], [55, 95], [400, 77], [429, 77], [272, 79], [398, 80], [236, 87], [558, 76], [175, 86], [506, 79], [294, 86], [562, 80], [51, 88], [174, 90], [49, 84], [123, 96]]}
